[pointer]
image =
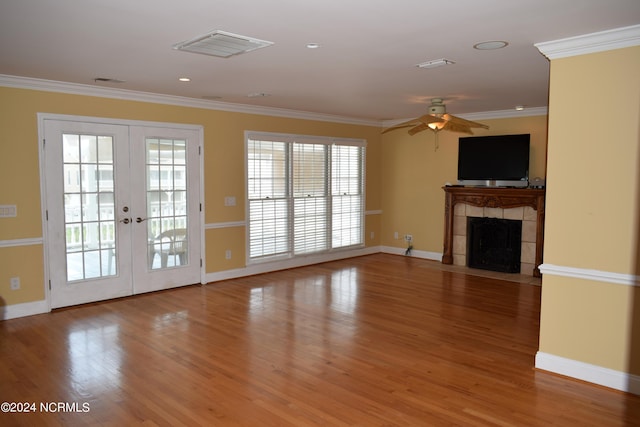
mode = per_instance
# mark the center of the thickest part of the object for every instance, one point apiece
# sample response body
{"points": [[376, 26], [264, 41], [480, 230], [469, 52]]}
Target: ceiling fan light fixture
{"points": [[435, 63], [437, 107], [437, 120]]}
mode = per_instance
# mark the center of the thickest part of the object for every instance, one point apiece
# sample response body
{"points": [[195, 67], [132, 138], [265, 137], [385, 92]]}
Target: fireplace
{"points": [[525, 204], [494, 244]]}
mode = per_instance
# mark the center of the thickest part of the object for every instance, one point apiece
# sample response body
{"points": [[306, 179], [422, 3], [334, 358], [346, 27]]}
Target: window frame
{"points": [[323, 194]]}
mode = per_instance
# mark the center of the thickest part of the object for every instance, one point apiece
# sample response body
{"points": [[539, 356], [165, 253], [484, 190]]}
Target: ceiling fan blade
{"points": [[457, 127], [425, 119], [430, 118], [419, 128], [453, 119], [412, 122], [398, 127]]}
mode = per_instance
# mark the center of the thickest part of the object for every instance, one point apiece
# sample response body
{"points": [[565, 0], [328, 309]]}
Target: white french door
{"points": [[166, 220], [122, 209]]}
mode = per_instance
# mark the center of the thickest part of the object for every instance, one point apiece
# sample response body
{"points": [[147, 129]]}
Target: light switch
{"points": [[8, 211], [230, 201]]}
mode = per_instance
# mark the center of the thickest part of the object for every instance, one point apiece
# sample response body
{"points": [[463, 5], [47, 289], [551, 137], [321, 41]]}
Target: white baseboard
{"points": [[587, 372], [268, 267], [21, 310], [435, 256], [300, 262]]}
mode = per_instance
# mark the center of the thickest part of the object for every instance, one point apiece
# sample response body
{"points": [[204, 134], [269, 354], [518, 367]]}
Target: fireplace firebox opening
{"points": [[494, 244]]}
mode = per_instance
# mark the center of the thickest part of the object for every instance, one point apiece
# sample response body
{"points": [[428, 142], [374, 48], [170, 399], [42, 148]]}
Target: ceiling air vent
{"points": [[221, 44], [107, 80]]}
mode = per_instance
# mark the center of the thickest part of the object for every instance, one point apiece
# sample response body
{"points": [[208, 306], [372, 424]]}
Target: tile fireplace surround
{"points": [[526, 205]]}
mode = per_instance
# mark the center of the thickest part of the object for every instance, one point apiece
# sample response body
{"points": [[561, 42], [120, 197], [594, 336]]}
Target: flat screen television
{"points": [[496, 161]]}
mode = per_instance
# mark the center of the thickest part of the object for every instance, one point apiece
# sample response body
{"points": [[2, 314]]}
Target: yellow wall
{"points": [[220, 240], [593, 161], [593, 209], [413, 173], [591, 322], [24, 262], [404, 174], [223, 173]]}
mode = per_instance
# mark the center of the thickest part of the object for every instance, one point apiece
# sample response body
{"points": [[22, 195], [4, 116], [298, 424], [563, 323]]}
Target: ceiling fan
{"points": [[436, 120]]}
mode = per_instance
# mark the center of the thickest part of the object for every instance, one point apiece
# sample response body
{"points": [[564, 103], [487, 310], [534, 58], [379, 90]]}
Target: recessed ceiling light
{"points": [[519, 107], [490, 45], [257, 95], [313, 45], [184, 79]]}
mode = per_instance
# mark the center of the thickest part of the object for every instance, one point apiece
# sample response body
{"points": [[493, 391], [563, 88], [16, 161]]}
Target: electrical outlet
{"points": [[227, 254], [15, 283], [371, 235], [408, 237], [395, 235]]}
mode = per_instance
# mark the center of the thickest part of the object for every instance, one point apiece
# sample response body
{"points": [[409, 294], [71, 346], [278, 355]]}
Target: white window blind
{"points": [[305, 194], [310, 198], [268, 202], [347, 196]]}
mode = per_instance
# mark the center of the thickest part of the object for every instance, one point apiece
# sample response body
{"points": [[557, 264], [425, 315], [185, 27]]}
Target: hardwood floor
{"points": [[380, 340]]}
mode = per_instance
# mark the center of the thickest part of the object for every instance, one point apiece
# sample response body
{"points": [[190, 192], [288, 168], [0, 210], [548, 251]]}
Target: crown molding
{"points": [[506, 114], [130, 95], [591, 43]]}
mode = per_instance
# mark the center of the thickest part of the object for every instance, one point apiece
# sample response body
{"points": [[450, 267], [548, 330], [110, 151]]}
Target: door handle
{"points": [[139, 220], [126, 220]]}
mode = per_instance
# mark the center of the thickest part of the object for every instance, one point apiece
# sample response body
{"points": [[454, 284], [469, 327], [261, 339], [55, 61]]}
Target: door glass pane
{"points": [[105, 149], [180, 152], [166, 203], [89, 206]]}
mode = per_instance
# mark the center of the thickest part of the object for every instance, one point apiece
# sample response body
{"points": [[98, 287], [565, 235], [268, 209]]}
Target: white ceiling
{"points": [[365, 66]]}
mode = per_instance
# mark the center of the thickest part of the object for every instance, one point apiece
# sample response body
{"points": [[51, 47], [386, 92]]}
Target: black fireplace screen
{"points": [[494, 244]]}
